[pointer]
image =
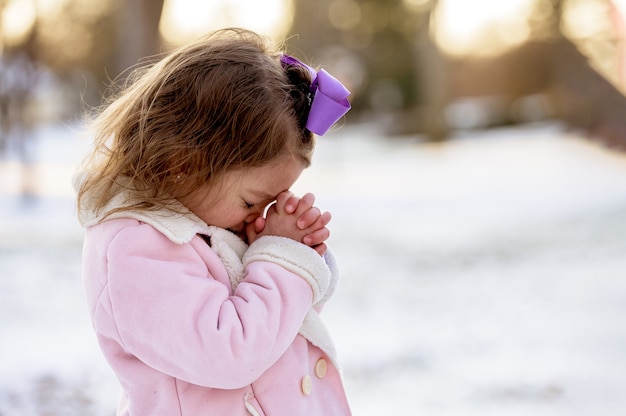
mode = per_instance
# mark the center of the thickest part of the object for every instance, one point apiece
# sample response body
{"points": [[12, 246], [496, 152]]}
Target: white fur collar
{"points": [[178, 223]]}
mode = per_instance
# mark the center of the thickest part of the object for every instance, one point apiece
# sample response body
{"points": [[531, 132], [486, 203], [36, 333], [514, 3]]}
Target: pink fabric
{"points": [[182, 344]]}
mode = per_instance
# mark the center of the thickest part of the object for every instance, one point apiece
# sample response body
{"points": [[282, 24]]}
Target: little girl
{"points": [[201, 304]]}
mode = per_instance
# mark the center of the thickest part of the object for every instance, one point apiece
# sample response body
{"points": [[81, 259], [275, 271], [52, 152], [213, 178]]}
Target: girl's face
{"points": [[243, 195]]}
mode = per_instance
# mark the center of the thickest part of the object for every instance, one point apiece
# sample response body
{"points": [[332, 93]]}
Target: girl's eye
{"points": [[248, 205]]}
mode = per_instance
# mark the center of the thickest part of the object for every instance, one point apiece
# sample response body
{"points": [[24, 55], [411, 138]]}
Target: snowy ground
{"points": [[485, 276]]}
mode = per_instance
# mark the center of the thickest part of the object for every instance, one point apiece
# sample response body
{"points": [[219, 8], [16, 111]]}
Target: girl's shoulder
{"points": [[131, 238], [122, 231]]}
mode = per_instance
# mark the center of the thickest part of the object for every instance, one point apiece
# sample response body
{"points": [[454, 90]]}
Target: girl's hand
{"points": [[295, 218], [309, 218]]}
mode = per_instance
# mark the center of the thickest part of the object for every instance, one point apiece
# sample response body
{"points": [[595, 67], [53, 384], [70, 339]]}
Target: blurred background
{"points": [[477, 188]]}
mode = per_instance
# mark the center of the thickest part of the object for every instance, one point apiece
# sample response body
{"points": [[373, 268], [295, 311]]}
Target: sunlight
{"points": [[17, 20], [597, 30], [621, 5], [481, 26], [585, 19], [46, 7], [185, 20]]}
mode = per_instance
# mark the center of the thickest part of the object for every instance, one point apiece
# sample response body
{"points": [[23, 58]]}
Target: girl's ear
{"points": [[177, 168]]}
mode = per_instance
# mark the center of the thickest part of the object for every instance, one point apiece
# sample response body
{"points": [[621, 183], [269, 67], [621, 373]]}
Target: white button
{"points": [[306, 385], [321, 368]]}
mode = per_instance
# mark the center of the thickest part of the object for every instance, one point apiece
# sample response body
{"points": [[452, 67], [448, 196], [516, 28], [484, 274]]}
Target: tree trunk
{"points": [[139, 35]]}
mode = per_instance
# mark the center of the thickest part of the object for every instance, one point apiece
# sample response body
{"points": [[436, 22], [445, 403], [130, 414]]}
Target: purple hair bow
{"points": [[329, 102]]}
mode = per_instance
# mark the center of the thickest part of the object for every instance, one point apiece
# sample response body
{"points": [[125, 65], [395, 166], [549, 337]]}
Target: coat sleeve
{"points": [[171, 313]]}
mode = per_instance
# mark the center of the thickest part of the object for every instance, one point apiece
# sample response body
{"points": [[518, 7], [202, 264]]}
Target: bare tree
{"points": [[549, 64], [84, 49], [138, 33]]}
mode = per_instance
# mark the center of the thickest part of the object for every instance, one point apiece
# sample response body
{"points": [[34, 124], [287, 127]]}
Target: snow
{"points": [[482, 276]]}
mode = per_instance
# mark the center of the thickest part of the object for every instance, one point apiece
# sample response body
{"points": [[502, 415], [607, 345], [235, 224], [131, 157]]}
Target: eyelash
{"points": [[248, 205]]}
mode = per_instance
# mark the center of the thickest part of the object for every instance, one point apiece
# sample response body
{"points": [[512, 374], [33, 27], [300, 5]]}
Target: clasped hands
{"points": [[295, 218]]}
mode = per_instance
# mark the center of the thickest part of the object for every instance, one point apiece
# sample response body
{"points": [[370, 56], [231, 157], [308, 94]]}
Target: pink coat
{"points": [[222, 329]]}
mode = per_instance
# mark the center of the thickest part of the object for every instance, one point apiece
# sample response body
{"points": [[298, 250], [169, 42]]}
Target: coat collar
{"points": [[176, 222]]}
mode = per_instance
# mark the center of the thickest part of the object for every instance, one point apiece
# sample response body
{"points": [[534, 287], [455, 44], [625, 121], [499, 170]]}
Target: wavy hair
{"points": [[222, 103]]}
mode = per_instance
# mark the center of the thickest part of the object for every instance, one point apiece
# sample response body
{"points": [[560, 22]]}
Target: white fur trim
{"points": [[179, 225], [314, 330], [331, 262], [230, 249], [295, 257]]}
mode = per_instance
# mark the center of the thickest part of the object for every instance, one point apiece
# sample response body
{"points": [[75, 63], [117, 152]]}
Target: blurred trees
{"points": [[549, 76], [82, 44], [371, 44], [138, 32], [398, 69], [67, 51], [58, 56]]}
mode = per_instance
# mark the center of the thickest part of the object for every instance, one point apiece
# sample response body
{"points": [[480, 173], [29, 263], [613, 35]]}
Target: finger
{"points": [[316, 237], [322, 221], [321, 249], [251, 233], [259, 224], [281, 200], [308, 218], [306, 203], [271, 210], [291, 204]]}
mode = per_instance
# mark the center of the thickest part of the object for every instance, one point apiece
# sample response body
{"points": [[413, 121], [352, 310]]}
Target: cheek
{"points": [[237, 216], [228, 218]]}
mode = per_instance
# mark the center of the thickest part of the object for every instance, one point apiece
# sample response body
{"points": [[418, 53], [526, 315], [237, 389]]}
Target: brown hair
{"points": [[222, 103]]}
